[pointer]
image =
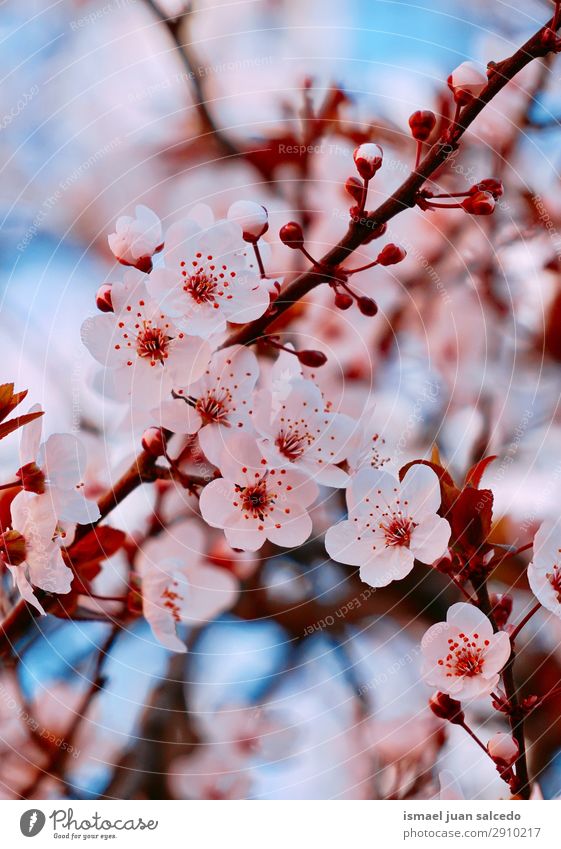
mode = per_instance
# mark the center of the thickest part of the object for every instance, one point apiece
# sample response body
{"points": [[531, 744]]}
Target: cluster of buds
{"points": [[345, 297], [480, 199]]}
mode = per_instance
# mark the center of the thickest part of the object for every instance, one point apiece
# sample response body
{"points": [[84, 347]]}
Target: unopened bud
{"points": [[501, 604], [153, 441], [292, 236], [480, 203], [103, 300], [503, 748], [422, 123], [367, 306], [466, 82], [391, 254], [343, 301], [354, 188], [445, 707], [368, 159], [312, 359], [252, 218]]}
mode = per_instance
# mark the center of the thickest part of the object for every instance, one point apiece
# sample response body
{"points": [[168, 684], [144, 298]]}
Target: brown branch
{"points": [[403, 198], [209, 126]]}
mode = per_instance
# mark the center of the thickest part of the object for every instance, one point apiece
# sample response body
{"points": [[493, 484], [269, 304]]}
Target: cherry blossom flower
{"points": [[31, 551], [206, 280], [136, 240], [254, 501], [217, 403], [179, 585], [142, 347], [296, 429], [544, 572], [55, 470], [462, 656], [390, 524]]}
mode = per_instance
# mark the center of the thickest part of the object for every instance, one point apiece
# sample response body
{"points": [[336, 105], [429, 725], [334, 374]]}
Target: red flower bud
{"points": [[153, 441], [503, 748], [502, 608], [480, 203], [103, 298], [312, 359], [422, 123], [367, 306], [368, 159], [495, 187], [391, 254], [343, 301], [292, 236], [354, 188], [445, 707], [466, 82]]}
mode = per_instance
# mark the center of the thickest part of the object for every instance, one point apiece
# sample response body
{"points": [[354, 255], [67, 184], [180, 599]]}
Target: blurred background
{"points": [[310, 688]]}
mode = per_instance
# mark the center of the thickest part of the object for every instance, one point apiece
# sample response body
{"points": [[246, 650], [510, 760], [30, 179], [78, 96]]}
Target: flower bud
{"points": [[354, 188], [445, 707], [480, 203], [466, 82], [422, 123], [343, 301], [495, 187], [292, 236], [136, 240], [103, 298], [153, 441], [391, 254], [252, 218], [312, 359], [367, 306], [503, 748], [501, 604], [368, 158]]}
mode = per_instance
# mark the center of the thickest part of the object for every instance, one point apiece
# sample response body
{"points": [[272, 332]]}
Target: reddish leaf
{"points": [[102, 542], [20, 421], [473, 477], [9, 400], [471, 519]]}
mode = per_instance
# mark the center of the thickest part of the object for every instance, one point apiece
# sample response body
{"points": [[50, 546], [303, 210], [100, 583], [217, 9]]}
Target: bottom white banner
{"points": [[274, 825]]}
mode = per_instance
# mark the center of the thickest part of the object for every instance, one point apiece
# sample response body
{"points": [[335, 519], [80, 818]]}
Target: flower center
{"points": [[465, 658], [397, 530], [255, 500], [152, 343], [554, 579], [292, 443], [200, 286], [213, 407]]}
